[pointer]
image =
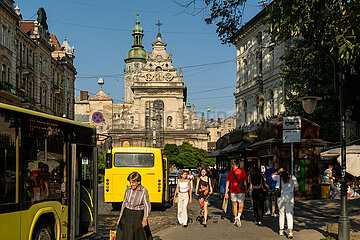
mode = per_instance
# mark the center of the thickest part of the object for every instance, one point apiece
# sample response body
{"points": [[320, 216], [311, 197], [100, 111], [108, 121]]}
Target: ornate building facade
{"points": [[36, 71], [154, 112], [259, 86]]}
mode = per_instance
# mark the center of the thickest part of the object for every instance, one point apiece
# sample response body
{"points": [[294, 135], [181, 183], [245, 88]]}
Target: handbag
{"points": [[176, 199], [225, 204], [278, 190], [241, 185]]}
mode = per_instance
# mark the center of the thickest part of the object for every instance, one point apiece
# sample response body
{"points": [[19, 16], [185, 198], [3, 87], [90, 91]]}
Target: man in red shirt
{"points": [[236, 182]]}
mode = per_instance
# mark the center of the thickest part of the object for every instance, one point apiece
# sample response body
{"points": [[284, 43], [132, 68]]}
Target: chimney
{"points": [[84, 95]]}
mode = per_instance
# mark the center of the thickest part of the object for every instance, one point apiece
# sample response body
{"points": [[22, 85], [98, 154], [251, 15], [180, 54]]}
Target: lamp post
{"points": [[309, 105]]}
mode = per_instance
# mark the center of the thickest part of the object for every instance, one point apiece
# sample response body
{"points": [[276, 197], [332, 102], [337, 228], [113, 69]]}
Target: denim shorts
{"points": [[237, 197]]}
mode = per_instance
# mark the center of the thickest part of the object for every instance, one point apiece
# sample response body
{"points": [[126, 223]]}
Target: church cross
{"points": [[158, 24]]}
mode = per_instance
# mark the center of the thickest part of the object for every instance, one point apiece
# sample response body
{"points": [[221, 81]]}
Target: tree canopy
{"points": [[186, 156]]}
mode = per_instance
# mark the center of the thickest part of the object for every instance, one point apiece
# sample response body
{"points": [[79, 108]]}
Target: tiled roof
{"points": [[27, 26], [55, 42]]}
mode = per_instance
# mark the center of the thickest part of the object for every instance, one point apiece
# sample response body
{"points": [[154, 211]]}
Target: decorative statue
{"points": [[42, 18]]}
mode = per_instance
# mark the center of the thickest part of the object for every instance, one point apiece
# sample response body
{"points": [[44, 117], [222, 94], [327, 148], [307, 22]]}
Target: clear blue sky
{"points": [[100, 31]]}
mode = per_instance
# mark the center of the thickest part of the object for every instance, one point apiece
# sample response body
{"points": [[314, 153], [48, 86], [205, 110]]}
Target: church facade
{"points": [[154, 112]]}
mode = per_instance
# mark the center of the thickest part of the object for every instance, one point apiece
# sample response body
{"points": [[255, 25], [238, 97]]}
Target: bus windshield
{"points": [[134, 160]]}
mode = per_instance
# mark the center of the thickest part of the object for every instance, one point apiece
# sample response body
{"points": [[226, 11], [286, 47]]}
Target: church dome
{"points": [[137, 28], [138, 53]]}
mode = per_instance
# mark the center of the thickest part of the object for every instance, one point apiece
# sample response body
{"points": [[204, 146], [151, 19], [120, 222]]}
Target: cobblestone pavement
{"points": [[311, 218]]}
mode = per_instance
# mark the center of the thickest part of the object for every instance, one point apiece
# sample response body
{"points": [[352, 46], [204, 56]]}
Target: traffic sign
{"points": [[291, 136], [292, 122], [85, 161], [97, 117]]}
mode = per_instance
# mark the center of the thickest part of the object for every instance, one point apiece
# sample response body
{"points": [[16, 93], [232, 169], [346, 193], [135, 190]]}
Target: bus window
{"points": [[7, 162], [44, 166], [134, 160]]}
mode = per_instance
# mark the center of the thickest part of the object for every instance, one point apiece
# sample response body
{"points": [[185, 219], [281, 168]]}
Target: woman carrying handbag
{"points": [[183, 197], [287, 184]]}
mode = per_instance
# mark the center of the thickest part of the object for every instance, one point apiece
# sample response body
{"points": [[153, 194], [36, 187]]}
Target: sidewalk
{"points": [[311, 218]]}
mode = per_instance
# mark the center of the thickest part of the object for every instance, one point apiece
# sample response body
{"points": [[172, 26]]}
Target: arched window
{"points": [[3, 73], [271, 103], [126, 144], [245, 111]]}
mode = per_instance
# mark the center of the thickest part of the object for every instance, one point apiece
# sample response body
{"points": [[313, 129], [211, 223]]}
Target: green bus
{"points": [[48, 176]]}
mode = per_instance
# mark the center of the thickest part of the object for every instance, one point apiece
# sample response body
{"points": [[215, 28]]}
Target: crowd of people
{"points": [[274, 189]]}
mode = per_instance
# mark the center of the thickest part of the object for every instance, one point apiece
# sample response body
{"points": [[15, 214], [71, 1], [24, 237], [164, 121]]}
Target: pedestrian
{"points": [[287, 184], [183, 192], [257, 184], [270, 196], [191, 177], [203, 191], [328, 177], [236, 183], [135, 210], [222, 182]]}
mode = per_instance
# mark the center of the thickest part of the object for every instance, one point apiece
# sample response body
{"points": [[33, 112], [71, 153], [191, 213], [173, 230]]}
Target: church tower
{"points": [[134, 60]]}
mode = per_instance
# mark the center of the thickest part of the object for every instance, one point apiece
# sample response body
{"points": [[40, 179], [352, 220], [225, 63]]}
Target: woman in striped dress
{"points": [[134, 211]]}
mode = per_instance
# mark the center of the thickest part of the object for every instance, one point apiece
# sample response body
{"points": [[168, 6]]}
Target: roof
{"points": [[317, 142], [213, 154], [44, 115], [27, 26], [235, 146], [55, 42], [100, 96]]}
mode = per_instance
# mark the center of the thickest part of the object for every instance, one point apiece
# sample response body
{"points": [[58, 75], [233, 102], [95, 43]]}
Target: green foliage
{"points": [[186, 156], [101, 165], [331, 25]]}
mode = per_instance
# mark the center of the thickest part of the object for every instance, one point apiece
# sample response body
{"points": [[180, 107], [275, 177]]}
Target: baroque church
{"points": [[154, 112]]}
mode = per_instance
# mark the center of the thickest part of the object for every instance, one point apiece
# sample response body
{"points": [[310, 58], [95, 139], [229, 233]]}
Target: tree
{"points": [[186, 156]]}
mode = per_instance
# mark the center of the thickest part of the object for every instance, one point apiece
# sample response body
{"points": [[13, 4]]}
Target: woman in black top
{"points": [[203, 191], [258, 195]]}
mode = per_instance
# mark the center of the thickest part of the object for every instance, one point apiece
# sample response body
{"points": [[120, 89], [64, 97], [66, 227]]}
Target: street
{"points": [[311, 218]]}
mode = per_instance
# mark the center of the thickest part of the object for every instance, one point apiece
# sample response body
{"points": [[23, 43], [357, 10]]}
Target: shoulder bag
{"points": [[241, 185], [278, 190]]}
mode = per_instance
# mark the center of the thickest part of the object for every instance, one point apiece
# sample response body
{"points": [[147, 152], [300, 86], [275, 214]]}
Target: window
{"points": [[40, 95], [271, 103], [272, 58], [30, 57], [134, 160], [3, 36], [40, 65], [22, 54], [44, 165], [3, 73], [245, 111], [7, 160], [8, 40], [17, 48], [45, 97]]}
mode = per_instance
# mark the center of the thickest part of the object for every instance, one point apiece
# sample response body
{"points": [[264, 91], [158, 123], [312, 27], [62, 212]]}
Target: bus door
{"points": [[83, 209], [165, 179]]}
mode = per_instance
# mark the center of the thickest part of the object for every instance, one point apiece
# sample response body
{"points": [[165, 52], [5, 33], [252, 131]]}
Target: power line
{"points": [[127, 30], [211, 90]]}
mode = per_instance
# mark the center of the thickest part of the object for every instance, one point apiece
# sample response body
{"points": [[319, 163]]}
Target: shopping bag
{"points": [[224, 205], [112, 234]]}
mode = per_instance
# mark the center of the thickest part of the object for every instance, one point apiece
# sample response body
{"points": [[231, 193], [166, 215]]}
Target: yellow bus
{"points": [[149, 162], [48, 169]]}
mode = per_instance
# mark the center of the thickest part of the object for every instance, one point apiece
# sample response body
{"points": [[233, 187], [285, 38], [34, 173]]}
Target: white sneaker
{"points": [[267, 213], [237, 222], [274, 215], [290, 235], [281, 233]]}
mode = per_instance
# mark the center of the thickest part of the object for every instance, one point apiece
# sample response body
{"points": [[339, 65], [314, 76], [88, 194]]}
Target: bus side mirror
{"points": [[108, 160]]}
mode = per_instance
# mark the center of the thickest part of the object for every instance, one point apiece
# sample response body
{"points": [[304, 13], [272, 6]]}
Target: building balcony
{"points": [[15, 95], [27, 68]]}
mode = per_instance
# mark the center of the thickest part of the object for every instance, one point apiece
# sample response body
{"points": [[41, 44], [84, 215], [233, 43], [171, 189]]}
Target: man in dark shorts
{"points": [[270, 197]]}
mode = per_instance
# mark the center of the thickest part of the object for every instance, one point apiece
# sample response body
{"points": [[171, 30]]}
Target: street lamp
{"points": [[309, 104]]}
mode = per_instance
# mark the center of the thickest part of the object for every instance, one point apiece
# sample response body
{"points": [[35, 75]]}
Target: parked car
{"points": [[173, 177]]}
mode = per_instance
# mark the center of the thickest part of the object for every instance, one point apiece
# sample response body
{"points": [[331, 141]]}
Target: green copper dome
{"points": [[137, 28], [134, 53], [137, 53]]}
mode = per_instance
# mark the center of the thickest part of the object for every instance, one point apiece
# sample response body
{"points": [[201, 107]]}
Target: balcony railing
{"points": [[19, 92]]}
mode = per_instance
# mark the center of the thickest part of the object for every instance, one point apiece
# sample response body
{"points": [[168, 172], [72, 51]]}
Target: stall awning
{"points": [[235, 147], [213, 154]]}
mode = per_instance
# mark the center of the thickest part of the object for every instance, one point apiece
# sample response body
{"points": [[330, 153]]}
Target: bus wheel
{"points": [[43, 231]]}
